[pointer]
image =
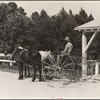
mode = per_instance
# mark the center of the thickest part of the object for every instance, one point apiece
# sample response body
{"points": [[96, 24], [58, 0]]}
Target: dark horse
{"points": [[29, 57]]}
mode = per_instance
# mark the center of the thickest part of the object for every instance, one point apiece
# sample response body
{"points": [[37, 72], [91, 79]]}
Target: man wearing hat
{"points": [[68, 46]]}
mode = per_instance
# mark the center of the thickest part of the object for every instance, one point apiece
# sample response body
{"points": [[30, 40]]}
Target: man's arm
{"points": [[65, 50]]}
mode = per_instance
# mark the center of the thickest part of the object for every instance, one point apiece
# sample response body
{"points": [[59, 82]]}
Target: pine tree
{"points": [[90, 18]]}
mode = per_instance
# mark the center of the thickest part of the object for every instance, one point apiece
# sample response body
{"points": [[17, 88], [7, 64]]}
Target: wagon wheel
{"points": [[57, 69]]}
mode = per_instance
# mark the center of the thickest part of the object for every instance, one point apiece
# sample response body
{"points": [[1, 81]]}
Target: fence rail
{"points": [[2, 55], [6, 60]]}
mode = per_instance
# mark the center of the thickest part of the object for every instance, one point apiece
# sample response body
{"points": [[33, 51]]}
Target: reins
{"points": [[22, 60], [14, 52], [20, 56]]}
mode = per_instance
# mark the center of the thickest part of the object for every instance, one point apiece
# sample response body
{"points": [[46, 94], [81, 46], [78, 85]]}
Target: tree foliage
{"points": [[48, 32], [14, 24], [82, 17]]}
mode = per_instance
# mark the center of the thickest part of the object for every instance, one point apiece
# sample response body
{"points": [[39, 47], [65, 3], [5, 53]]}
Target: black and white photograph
{"points": [[49, 49]]}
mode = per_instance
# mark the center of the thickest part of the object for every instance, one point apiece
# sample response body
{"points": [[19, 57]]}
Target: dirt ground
{"points": [[12, 88]]}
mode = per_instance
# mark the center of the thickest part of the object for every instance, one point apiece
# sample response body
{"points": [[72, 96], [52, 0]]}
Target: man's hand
{"points": [[61, 52]]}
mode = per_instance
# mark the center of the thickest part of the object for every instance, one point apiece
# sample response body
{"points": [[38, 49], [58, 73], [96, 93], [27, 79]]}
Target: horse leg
{"points": [[28, 69], [34, 74], [25, 72], [19, 70], [19, 74], [40, 72], [20, 67]]}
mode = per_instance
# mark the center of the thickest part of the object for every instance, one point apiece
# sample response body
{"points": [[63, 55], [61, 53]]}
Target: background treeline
{"points": [[48, 32]]}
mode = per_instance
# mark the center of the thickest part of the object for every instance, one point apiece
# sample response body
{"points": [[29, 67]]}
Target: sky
{"points": [[53, 7]]}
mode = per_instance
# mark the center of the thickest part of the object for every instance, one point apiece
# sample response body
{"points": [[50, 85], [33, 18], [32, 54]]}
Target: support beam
{"points": [[91, 40], [84, 56], [97, 68]]}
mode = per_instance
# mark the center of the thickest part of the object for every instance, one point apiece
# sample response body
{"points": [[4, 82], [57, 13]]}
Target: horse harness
{"points": [[22, 60], [22, 50], [20, 56]]}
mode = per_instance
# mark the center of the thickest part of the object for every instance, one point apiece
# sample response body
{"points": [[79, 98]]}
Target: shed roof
{"points": [[93, 25]]}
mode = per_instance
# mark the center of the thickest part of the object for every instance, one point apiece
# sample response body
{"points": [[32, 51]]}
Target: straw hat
{"points": [[67, 39]]}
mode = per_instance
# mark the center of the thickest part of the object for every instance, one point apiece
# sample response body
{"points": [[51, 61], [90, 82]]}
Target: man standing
{"points": [[68, 47]]}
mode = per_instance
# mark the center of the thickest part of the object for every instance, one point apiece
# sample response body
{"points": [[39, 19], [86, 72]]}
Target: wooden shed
{"points": [[94, 27]]}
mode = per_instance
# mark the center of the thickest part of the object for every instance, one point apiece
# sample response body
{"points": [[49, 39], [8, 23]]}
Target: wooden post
{"points": [[10, 63], [97, 68], [84, 56]]}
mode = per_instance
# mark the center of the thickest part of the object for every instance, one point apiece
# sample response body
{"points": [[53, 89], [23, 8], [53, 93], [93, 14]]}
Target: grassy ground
{"points": [[7, 68]]}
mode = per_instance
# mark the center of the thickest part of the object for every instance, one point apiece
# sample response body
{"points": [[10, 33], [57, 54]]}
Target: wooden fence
{"points": [[6, 60]]}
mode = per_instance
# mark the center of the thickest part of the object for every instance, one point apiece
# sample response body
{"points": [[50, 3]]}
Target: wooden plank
{"points": [[2, 60], [2, 54]]}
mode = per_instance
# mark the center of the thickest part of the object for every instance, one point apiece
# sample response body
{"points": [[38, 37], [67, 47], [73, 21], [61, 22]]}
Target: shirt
{"points": [[68, 48]]}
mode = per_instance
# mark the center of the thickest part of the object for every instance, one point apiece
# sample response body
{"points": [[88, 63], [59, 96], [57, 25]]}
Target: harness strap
{"points": [[13, 53], [22, 60]]}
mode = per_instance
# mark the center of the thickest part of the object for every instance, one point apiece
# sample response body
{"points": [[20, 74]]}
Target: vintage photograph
{"points": [[49, 50]]}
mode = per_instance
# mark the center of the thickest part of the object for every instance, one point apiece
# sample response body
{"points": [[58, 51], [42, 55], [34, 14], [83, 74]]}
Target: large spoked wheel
{"points": [[57, 69]]}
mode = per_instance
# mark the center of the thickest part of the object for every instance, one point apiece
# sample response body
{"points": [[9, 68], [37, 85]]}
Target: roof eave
{"points": [[87, 29]]}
